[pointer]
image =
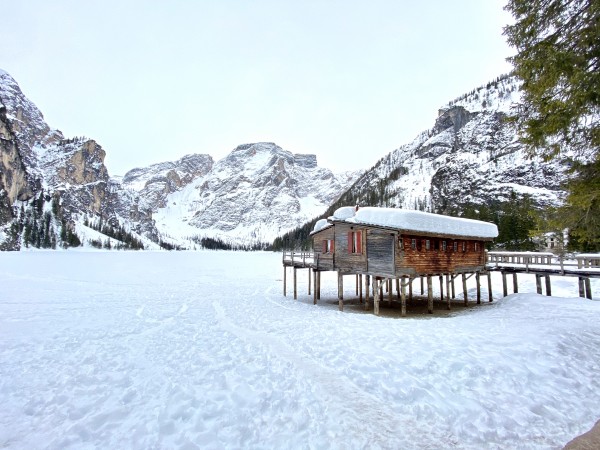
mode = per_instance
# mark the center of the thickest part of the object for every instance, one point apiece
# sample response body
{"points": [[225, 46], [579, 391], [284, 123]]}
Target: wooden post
{"points": [[319, 286], [429, 295], [367, 288], [356, 284], [448, 302], [403, 298], [453, 288], [581, 287], [295, 285], [309, 275], [284, 281], [410, 290], [464, 283], [515, 283], [360, 288], [442, 287], [315, 277], [538, 283], [398, 288], [422, 287], [504, 286], [340, 286], [377, 292], [548, 287], [588, 289], [478, 281]]}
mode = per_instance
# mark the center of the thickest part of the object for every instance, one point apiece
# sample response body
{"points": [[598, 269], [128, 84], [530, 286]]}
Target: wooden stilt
{"points": [[403, 298], [377, 292], [398, 288], [340, 286], [538, 283], [315, 277], [295, 284], [356, 284], [464, 283], [453, 288], [548, 286], [515, 283], [448, 302], [588, 289], [478, 281], [490, 294], [422, 287], [318, 285], [367, 289], [360, 288], [504, 286], [581, 287], [429, 295], [410, 290], [284, 281]]}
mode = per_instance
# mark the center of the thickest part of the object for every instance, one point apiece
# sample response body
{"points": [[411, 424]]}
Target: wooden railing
{"points": [[296, 258], [541, 259]]}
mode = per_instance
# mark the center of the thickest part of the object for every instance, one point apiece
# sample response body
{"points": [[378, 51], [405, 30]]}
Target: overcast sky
{"points": [[152, 81]]}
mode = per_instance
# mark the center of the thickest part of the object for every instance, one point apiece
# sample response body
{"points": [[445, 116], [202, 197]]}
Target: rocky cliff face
{"points": [[258, 191], [38, 160], [470, 156], [154, 183]]}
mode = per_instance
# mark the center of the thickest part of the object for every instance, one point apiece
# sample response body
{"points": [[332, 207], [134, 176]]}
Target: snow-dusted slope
{"points": [[470, 156], [255, 193]]}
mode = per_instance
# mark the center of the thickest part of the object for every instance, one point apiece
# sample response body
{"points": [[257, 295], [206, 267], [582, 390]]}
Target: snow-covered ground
{"points": [[201, 350]]}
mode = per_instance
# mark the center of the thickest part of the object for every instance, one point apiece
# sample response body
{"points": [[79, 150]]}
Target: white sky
{"points": [[152, 81]]}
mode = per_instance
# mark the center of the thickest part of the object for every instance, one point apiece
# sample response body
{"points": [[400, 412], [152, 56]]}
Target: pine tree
{"points": [[558, 60]]}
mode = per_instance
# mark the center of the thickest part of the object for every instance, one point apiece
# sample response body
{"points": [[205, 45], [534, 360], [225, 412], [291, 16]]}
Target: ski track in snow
{"points": [[201, 350]]}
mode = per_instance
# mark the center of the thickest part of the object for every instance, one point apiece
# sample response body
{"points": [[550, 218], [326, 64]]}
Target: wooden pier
{"points": [[542, 265]]}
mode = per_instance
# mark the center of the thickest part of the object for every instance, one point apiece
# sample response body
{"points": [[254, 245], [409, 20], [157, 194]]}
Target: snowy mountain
{"points": [[255, 193], [53, 190], [471, 155]]}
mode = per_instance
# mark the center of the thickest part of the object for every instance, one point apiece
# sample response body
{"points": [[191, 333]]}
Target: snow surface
{"points": [[201, 350], [424, 222]]}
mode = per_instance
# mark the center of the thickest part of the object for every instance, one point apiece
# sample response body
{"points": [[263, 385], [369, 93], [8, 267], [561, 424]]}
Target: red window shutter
{"points": [[359, 242], [350, 240], [332, 246], [325, 246]]}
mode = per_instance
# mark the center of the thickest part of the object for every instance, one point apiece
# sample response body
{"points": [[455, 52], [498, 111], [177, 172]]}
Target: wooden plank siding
{"points": [[381, 248], [325, 260], [436, 260], [345, 260]]}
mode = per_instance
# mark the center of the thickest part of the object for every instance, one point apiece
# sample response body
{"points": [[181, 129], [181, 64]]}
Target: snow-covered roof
{"points": [[321, 225], [421, 222]]}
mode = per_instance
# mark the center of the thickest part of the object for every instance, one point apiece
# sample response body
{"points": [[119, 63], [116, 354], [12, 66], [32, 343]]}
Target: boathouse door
{"points": [[380, 252]]}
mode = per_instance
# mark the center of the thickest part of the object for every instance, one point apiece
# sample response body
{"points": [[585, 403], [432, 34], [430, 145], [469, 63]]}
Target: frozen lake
{"points": [[201, 350]]}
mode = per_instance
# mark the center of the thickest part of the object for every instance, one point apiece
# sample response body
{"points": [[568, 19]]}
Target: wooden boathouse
{"points": [[383, 245]]}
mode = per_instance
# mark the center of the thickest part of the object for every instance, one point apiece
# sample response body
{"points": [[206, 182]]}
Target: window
{"points": [[354, 242], [464, 246], [328, 246], [443, 246], [401, 243], [455, 246], [427, 244], [413, 244]]}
